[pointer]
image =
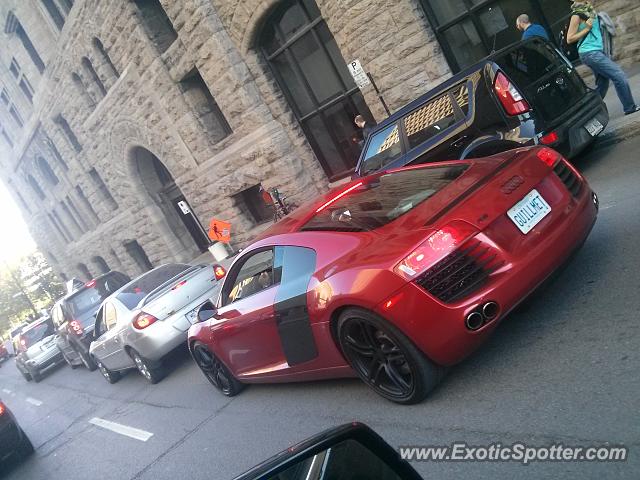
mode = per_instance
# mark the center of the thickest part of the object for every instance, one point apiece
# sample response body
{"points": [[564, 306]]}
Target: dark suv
{"points": [[74, 316], [525, 94]]}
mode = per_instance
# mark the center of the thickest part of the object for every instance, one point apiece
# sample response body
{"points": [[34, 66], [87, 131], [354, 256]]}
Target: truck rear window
{"points": [[92, 295], [144, 285], [384, 199]]}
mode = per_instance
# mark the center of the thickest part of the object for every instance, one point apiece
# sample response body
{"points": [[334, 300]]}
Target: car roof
{"points": [[35, 323]]}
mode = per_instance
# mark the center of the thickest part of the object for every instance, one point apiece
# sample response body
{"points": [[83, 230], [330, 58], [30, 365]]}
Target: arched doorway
{"points": [[162, 188], [103, 266], [84, 271], [313, 75]]}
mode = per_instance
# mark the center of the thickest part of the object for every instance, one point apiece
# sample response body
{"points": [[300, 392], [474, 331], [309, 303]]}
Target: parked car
{"points": [[526, 94], [14, 443], [149, 317], [4, 353], [13, 338], [74, 317], [394, 276], [37, 349]]}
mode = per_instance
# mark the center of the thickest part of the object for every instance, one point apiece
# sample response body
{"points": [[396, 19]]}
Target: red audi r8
{"points": [[394, 276]]}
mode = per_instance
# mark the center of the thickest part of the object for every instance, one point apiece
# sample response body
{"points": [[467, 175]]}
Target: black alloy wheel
{"points": [[384, 358], [215, 371]]}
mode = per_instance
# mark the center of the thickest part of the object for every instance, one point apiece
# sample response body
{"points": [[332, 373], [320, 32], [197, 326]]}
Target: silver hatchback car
{"points": [[144, 320]]}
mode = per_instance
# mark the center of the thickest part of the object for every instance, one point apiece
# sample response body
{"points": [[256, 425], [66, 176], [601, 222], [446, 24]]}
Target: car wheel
{"points": [[26, 448], [215, 371], [35, 374], [109, 376], [26, 376], [152, 374], [385, 359], [87, 361]]}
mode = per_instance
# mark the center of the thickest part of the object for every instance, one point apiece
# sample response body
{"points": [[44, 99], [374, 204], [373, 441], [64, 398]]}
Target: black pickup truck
{"points": [[525, 94]]}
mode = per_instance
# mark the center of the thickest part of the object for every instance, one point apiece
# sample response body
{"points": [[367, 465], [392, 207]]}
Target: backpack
{"points": [[607, 31]]}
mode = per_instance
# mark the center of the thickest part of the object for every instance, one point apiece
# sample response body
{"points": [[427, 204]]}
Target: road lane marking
{"points": [[34, 401], [7, 391], [122, 429]]}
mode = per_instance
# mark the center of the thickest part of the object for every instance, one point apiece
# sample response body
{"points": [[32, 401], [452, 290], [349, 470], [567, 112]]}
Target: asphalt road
{"points": [[564, 368]]}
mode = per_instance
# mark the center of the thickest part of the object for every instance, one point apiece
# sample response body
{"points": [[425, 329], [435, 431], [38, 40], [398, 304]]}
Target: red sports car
{"points": [[394, 276]]}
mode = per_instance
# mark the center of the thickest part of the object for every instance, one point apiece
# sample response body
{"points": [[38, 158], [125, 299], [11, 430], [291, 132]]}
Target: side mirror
{"points": [[352, 451], [206, 311]]}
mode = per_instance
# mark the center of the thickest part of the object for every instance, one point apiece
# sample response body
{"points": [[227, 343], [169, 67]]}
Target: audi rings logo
{"points": [[511, 185]]}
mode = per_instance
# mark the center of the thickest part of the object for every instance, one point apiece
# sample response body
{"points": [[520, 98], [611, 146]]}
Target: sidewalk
{"points": [[621, 126]]}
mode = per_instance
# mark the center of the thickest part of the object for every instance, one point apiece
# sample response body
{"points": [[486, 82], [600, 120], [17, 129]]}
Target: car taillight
{"points": [[23, 344], [219, 272], [509, 96], [437, 246], [76, 328], [143, 320], [549, 138], [2, 409], [548, 156]]}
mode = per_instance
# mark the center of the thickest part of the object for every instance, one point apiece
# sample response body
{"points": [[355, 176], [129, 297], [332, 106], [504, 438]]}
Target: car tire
{"points": [[153, 374], [87, 361], [384, 358], [109, 376], [26, 376], [36, 375], [26, 447], [215, 371]]}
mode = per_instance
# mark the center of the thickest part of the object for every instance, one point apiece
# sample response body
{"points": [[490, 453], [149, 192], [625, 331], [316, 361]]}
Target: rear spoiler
{"points": [[161, 290]]}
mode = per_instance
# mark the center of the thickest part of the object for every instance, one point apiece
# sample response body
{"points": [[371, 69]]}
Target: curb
{"points": [[620, 134]]}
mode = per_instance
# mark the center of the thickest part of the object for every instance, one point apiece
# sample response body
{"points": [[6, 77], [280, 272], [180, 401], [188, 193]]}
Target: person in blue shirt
{"points": [[584, 29], [529, 29]]}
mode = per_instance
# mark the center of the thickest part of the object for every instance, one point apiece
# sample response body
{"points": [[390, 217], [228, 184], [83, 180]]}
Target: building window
{"points": [[105, 56], [88, 66], [13, 111], [102, 187], [28, 46], [27, 89], [102, 265], [66, 129], [198, 96], [252, 201], [67, 5], [312, 73], [76, 213], [35, 186], [58, 228], [139, 256], [71, 218], [4, 96], [7, 138], [156, 24], [84, 271], [82, 90], [62, 225], [56, 153], [86, 203], [47, 172], [14, 68], [54, 13], [469, 30]]}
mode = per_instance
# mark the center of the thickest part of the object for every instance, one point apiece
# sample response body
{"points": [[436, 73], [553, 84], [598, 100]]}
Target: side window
{"points": [[100, 328], [436, 115], [255, 274], [56, 314], [110, 317], [383, 148]]}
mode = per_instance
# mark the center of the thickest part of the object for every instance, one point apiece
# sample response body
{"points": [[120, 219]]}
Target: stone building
{"points": [[126, 125]]}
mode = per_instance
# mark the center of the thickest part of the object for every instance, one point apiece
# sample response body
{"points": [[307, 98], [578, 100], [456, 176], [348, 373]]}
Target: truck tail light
{"points": [[549, 139], [509, 96], [76, 328], [143, 320], [437, 246]]}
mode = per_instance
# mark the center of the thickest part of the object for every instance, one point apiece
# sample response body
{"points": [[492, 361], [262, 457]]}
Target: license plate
{"points": [[594, 127], [529, 211], [192, 315]]}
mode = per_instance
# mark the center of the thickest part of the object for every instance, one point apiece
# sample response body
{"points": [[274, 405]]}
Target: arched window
{"points": [[66, 129], [102, 265], [82, 268], [312, 73], [105, 56], [47, 172], [54, 13], [87, 65], [82, 89], [36, 187], [156, 24]]}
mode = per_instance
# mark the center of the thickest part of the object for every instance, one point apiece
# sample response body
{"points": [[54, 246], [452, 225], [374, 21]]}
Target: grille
{"points": [[460, 273], [570, 180]]}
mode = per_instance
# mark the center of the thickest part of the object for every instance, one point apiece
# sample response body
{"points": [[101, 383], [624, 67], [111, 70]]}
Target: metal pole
{"points": [[375, 87]]}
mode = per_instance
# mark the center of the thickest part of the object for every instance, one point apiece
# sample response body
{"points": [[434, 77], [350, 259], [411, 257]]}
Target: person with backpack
{"points": [[585, 30]]}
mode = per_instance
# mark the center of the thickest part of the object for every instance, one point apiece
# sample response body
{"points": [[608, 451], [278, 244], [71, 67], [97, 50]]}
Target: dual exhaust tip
{"points": [[482, 315]]}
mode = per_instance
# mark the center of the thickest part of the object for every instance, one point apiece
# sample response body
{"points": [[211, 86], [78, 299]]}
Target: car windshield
{"points": [[379, 202], [37, 333], [142, 286]]}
